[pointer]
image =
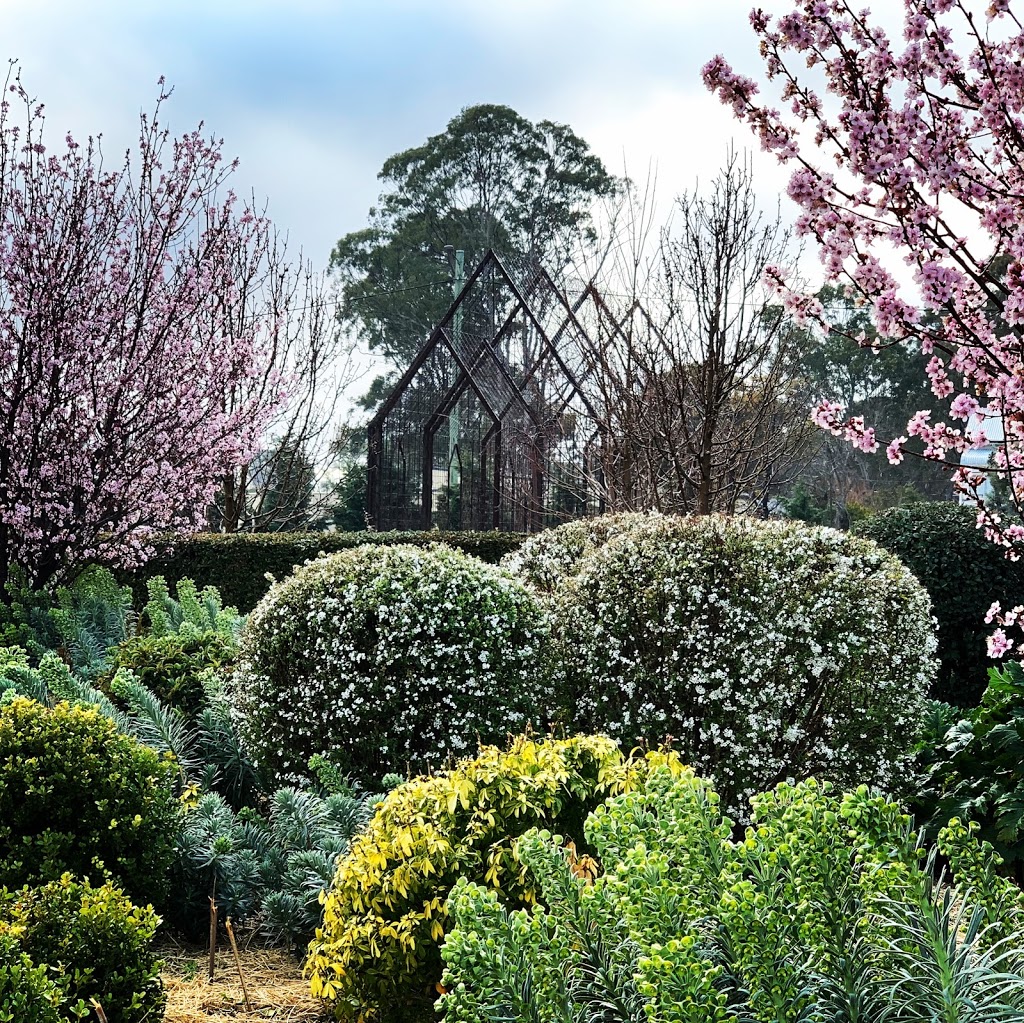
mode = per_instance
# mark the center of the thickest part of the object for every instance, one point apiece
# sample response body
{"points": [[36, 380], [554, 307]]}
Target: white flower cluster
{"points": [[387, 658], [766, 650], [547, 558]]}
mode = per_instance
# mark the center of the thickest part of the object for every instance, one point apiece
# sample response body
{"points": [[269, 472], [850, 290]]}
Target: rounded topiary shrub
{"points": [[387, 658], [76, 795], [766, 650], [963, 574], [547, 558], [97, 943]]}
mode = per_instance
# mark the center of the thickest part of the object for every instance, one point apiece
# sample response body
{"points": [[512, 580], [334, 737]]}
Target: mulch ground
{"points": [[273, 980]]}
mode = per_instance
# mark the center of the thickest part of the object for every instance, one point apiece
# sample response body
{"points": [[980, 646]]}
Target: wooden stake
{"points": [[213, 936], [238, 961], [99, 1010]]}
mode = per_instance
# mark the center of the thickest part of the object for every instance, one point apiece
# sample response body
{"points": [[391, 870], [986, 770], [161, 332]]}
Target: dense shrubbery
{"points": [[972, 766], [238, 563], [275, 865], [172, 667], [27, 994], [385, 916], [76, 795], [823, 912], [96, 943], [764, 649], [963, 574], [387, 657]]}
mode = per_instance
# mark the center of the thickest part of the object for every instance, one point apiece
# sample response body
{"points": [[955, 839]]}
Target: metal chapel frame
{"points": [[491, 426]]}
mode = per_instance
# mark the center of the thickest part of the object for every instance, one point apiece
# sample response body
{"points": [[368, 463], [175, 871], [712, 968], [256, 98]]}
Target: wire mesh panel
{"points": [[492, 426]]}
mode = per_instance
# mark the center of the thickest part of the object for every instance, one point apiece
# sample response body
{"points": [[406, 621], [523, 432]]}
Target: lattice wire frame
{"points": [[492, 427]]}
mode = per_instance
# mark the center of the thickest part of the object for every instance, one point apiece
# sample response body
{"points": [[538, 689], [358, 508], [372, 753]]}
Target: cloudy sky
{"points": [[314, 95]]}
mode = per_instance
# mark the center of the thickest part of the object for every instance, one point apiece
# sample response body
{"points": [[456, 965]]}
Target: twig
{"points": [[99, 1010], [238, 961], [213, 936]]}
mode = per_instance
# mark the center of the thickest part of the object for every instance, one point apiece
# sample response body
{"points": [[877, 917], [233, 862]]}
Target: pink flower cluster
{"points": [[927, 134], [125, 350]]}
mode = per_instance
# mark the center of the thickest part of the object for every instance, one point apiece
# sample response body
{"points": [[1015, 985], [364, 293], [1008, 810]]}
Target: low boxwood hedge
{"points": [[238, 563]]}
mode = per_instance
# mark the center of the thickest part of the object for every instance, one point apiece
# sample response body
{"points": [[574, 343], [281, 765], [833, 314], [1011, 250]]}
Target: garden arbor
{"points": [[492, 426]]}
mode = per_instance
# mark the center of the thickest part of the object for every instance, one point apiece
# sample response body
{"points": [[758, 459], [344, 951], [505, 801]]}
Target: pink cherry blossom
{"points": [[124, 351]]}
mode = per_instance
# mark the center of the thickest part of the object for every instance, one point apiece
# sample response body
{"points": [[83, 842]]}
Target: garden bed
{"points": [[273, 979]]}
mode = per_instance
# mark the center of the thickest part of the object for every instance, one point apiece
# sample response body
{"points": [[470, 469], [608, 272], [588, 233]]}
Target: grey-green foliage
{"points": [[190, 610], [825, 912], [84, 619], [91, 616], [275, 865]]}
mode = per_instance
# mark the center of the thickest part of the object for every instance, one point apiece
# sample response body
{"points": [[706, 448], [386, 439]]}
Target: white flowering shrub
{"points": [[548, 558], [765, 650], [387, 658]]}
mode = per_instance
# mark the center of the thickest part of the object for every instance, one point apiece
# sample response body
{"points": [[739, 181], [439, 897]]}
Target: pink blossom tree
{"points": [[122, 357], [911, 149]]}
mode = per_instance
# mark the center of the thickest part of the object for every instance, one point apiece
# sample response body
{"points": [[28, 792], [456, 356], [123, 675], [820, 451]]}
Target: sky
{"points": [[313, 95]]}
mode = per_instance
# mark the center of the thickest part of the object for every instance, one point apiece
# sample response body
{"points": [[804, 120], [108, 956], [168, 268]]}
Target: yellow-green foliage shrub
{"points": [[78, 796], [377, 955], [96, 943]]}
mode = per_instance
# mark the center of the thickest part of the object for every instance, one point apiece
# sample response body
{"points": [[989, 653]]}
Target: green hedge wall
{"points": [[238, 563], [963, 574]]}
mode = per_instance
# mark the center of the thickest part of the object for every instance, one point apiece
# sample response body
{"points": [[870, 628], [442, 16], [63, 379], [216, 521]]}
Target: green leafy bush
{"points": [[190, 612], [824, 911], [384, 917], [387, 657], [96, 943], [964, 574], [238, 563], [76, 795], [27, 995], [174, 666], [764, 649], [972, 766]]}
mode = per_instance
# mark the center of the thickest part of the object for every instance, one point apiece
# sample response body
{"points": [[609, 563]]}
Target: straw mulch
{"points": [[272, 977]]}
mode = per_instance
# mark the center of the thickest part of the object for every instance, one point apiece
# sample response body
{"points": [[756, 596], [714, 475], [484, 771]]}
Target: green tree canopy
{"points": [[491, 179]]}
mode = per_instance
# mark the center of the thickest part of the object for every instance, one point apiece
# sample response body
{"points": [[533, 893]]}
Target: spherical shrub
{"points": [[101, 943], [547, 558], [76, 795], [963, 574], [387, 657], [377, 955], [172, 666], [766, 650], [27, 995]]}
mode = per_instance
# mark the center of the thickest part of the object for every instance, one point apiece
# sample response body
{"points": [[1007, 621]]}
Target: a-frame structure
{"points": [[492, 427]]}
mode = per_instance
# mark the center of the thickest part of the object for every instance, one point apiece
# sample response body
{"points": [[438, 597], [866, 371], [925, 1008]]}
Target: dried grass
{"points": [[272, 977]]}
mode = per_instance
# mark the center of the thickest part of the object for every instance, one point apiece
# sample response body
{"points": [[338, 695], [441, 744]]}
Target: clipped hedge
{"points": [[387, 659], [237, 563], [767, 650], [963, 574]]}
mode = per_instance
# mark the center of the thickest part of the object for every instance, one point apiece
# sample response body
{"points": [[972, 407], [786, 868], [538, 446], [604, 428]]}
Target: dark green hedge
{"points": [[963, 574], [237, 564]]}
